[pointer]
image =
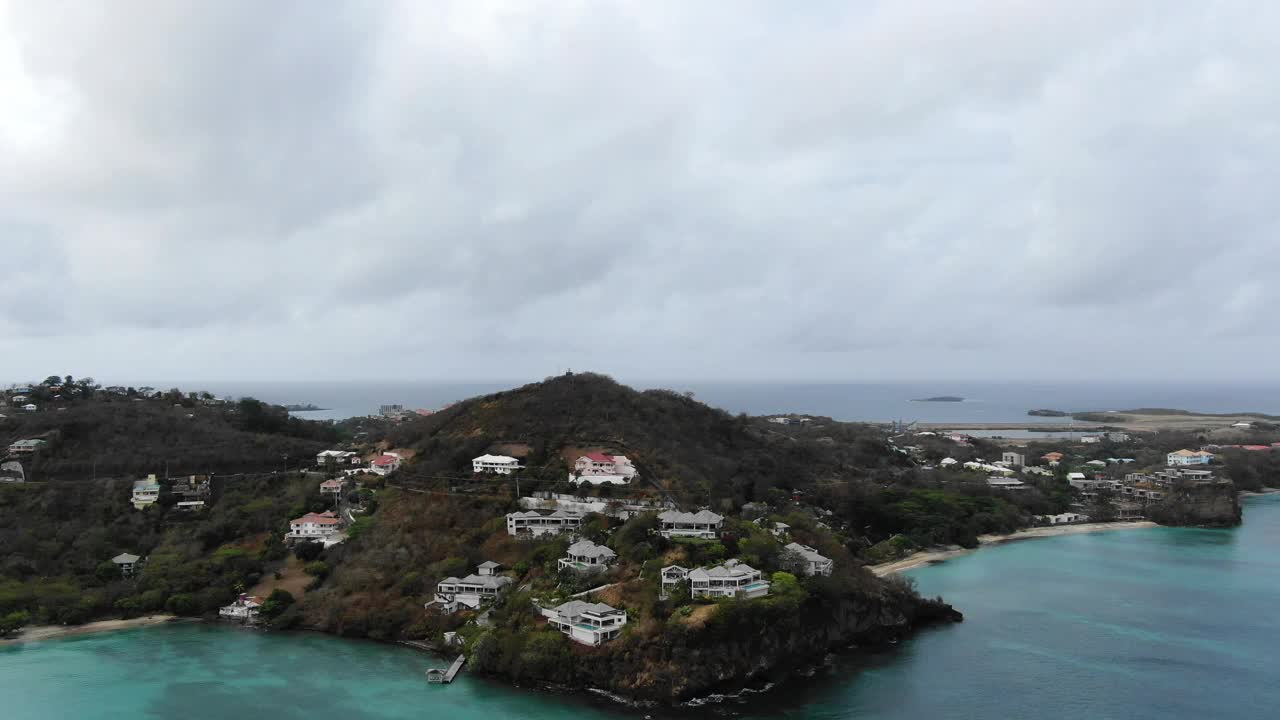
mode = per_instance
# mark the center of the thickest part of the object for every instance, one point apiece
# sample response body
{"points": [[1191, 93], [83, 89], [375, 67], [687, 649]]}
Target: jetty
{"points": [[436, 675]]}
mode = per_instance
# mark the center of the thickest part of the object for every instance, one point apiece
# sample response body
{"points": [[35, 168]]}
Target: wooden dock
{"points": [[436, 675]]}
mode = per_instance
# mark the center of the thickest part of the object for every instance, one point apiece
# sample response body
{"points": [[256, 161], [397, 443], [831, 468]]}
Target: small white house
{"points": [[1013, 459], [1077, 480], [126, 563], [245, 608], [671, 576], [337, 457], [30, 407], [145, 492], [1062, 518], [1005, 483], [25, 447], [498, 464], [811, 561]]}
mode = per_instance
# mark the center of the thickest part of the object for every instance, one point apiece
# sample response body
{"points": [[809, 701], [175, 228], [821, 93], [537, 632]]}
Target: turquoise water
{"points": [[1166, 623]]}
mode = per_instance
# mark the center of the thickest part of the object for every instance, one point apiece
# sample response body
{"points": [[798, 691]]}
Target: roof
{"points": [[386, 460], [489, 565], [701, 517], [574, 608], [495, 459], [728, 570], [331, 483], [600, 457], [145, 484], [807, 553], [124, 558], [586, 548], [490, 581], [27, 443], [326, 518]]}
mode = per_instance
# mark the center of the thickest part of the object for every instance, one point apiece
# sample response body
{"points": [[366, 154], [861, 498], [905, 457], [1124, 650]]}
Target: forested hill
{"points": [[694, 451], [127, 438]]}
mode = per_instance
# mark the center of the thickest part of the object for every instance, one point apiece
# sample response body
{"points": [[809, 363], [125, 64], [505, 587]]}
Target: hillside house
{"points": [[586, 556], [127, 564], [535, 524], [145, 492], [323, 526], [599, 468], [702, 524], [337, 457], [671, 576], [1188, 457], [585, 622], [453, 594], [1013, 459], [732, 579], [331, 487], [25, 447], [244, 608], [190, 487], [385, 464], [497, 464], [1062, 518], [1006, 483], [810, 561], [1077, 480]]}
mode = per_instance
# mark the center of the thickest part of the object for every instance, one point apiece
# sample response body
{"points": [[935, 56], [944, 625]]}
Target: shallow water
{"points": [[1163, 623]]}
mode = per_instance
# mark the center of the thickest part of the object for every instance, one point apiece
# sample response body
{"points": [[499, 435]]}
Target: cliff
{"points": [[1199, 506]]}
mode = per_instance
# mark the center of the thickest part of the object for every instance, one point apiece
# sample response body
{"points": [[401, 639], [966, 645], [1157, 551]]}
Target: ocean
{"points": [[1164, 623], [985, 402]]}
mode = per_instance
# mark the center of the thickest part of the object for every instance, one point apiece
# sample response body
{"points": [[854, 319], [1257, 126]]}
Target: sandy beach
{"points": [[48, 632], [929, 557]]}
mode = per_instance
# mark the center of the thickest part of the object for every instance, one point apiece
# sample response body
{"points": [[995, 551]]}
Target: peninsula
{"points": [[573, 532]]}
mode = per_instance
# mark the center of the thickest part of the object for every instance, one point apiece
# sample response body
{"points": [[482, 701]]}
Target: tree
{"points": [[277, 602], [308, 551], [10, 623]]}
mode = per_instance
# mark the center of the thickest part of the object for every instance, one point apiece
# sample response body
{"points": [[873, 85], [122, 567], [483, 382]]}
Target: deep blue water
{"points": [[1166, 624], [984, 401]]}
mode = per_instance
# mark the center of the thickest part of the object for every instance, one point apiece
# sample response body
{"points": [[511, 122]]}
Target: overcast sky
{"points": [[844, 190]]}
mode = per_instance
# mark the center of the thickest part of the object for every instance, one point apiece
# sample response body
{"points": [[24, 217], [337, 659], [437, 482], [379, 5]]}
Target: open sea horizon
{"points": [[985, 401]]}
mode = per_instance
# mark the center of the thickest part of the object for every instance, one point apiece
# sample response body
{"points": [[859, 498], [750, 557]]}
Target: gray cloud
{"points": [[651, 189]]}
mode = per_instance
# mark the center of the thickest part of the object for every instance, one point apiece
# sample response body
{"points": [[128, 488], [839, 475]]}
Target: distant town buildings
{"points": [[498, 464]]}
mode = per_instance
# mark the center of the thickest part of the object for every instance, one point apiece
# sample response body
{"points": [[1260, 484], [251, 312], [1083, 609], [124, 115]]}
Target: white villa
{"points": [[599, 468], [315, 526], [453, 594], [586, 556], [813, 562], [337, 457], [702, 524], [1189, 457], [586, 623], [126, 563], [732, 579], [1006, 483], [25, 447], [1062, 518], [145, 492], [535, 524], [672, 575], [244, 608], [385, 464], [500, 464]]}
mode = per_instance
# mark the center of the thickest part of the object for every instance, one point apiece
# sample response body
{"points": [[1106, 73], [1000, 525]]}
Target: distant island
{"points": [[307, 407], [1047, 413], [940, 398]]}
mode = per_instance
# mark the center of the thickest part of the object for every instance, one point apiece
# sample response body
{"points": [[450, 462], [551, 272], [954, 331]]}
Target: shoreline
{"points": [[36, 633], [937, 555]]}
